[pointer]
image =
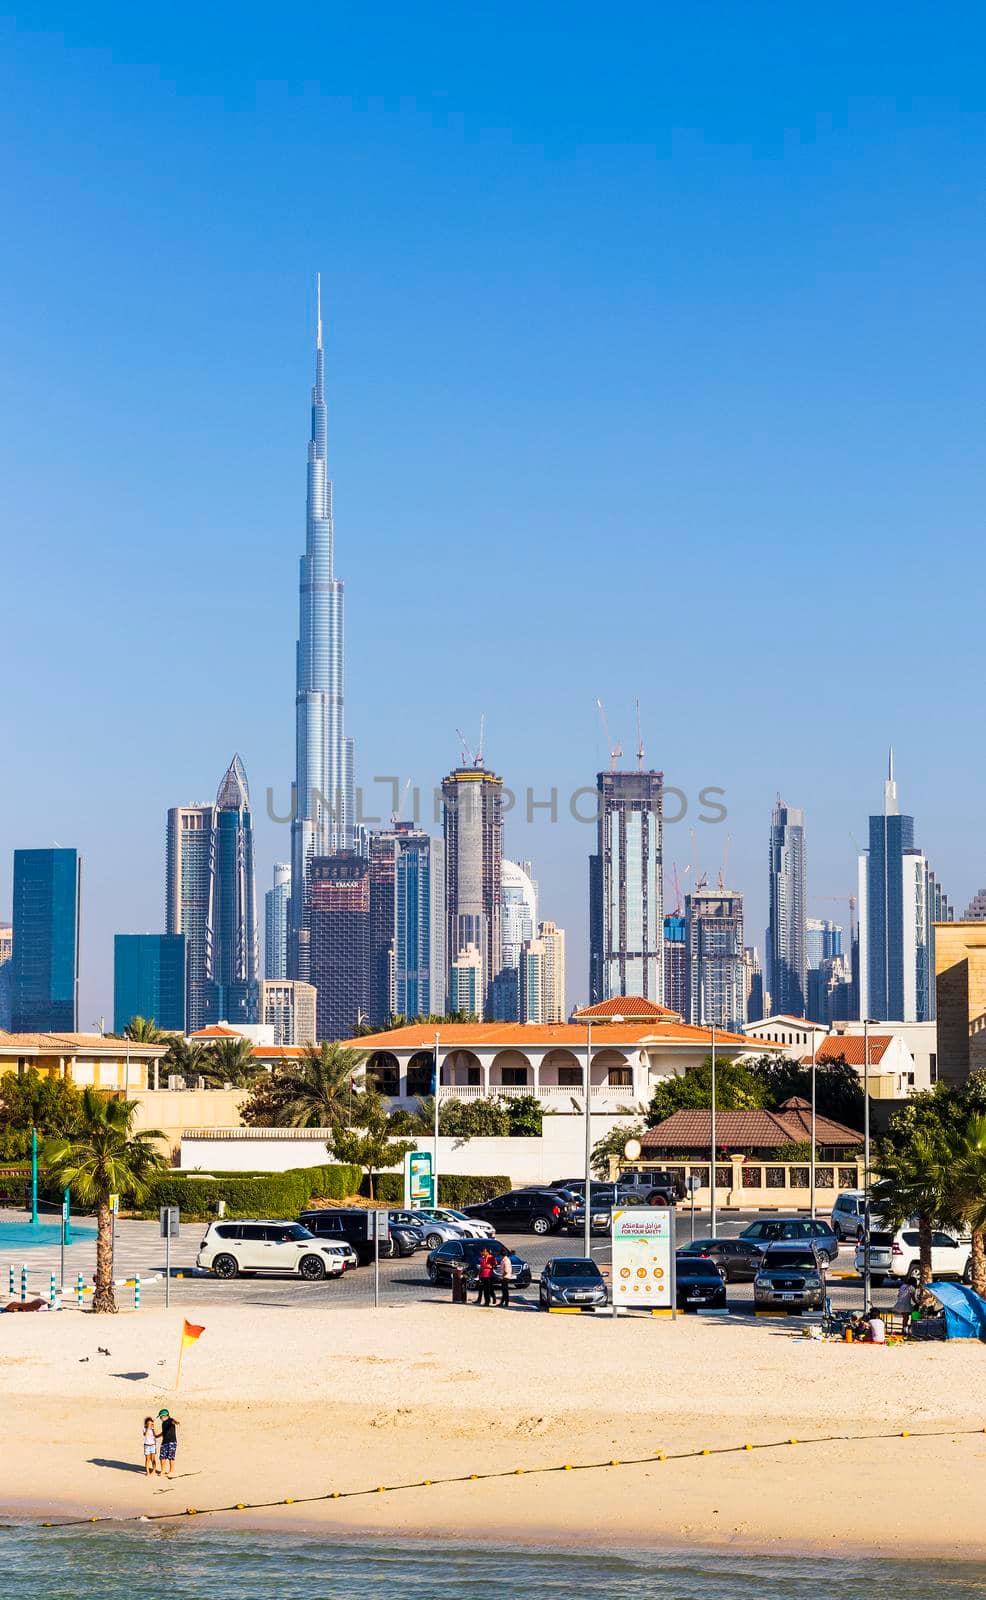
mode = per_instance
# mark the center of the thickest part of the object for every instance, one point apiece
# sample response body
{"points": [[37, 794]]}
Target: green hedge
{"points": [[454, 1188], [274, 1194], [336, 1182]]}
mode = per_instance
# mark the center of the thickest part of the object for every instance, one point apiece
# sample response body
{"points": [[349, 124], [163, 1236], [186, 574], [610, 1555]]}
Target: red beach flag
{"points": [[190, 1332]]}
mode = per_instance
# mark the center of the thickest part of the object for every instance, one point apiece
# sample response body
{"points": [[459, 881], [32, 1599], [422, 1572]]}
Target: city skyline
{"points": [[743, 407]]}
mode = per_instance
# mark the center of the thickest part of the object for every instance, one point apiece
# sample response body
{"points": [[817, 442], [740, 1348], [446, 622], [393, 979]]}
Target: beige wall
{"points": [[174, 1110], [960, 978]]}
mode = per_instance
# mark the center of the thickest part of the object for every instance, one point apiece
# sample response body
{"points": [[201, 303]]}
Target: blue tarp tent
{"points": [[965, 1313]]}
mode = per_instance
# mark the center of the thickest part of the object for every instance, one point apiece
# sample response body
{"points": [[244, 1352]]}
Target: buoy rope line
{"points": [[655, 1456]]}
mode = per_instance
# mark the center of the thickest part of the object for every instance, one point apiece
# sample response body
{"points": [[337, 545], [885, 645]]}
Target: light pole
{"points": [[814, 1049], [587, 1235], [712, 1152], [866, 1162], [438, 1085]]}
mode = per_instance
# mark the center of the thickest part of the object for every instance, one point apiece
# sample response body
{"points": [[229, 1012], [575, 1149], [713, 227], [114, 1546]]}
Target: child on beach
{"points": [[150, 1448], [169, 1440]]}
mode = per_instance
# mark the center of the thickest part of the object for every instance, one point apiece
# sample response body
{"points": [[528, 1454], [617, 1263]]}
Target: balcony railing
{"points": [[549, 1093]]}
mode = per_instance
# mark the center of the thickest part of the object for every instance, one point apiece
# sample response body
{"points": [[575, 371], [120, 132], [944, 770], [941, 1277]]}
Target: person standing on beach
{"points": [[151, 1463], [506, 1275], [169, 1439]]}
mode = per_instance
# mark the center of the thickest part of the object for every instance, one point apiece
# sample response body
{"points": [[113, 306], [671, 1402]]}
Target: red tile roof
{"points": [[851, 1045], [214, 1031], [745, 1130], [631, 1008], [541, 1036]]}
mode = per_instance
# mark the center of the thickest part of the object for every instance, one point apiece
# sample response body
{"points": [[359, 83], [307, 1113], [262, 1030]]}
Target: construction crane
{"points": [[640, 742], [615, 750], [841, 900], [722, 866], [395, 815], [469, 757], [679, 899]]}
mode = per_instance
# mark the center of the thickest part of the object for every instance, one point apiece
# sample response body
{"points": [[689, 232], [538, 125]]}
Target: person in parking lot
{"points": [[484, 1292], [506, 1274]]}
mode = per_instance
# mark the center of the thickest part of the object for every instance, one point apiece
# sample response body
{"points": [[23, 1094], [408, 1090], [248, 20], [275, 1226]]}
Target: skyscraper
{"points": [[235, 956], [788, 974], [715, 959], [6, 973], [753, 983], [47, 910], [339, 921], [465, 992], [382, 851], [188, 902], [626, 910], [518, 909], [211, 898], [289, 1007], [324, 788], [276, 903], [419, 946], [473, 822], [823, 941], [675, 967], [149, 980], [541, 971], [900, 899]]}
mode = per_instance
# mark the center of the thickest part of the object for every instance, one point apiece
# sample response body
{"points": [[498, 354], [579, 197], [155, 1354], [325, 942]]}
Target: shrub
{"points": [[335, 1182], [454, 1188], [272, 1194]]}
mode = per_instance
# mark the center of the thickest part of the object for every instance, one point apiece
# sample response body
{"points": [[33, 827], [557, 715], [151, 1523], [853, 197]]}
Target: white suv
{"points": [[230, 1248], [898, 1255], [849, 1213]]}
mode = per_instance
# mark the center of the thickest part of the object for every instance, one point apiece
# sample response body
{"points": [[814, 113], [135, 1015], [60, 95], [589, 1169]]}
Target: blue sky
{"points": [[655, 367]]}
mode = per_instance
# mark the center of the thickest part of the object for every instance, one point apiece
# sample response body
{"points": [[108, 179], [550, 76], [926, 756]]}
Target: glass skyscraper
{"points": [[419, 948], [235, 964], [324, 813], [149, 980], [788, 967], [626, 907], [276, 904], [45, 975]]}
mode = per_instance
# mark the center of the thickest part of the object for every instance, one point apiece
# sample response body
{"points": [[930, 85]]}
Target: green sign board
{"points": [[419, 1182]]}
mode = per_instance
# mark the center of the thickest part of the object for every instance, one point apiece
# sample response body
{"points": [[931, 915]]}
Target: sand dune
{"points": [[277, 1402]]}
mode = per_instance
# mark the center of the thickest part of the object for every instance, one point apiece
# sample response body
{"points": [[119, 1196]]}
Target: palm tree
{"points": [[317, 1091], [918, 1179], [231, 1061], [143, 1030], [969, 1178], [183, 1059], [103, 1156]]}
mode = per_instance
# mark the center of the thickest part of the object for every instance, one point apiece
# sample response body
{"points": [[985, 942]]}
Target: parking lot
{"points": [[141, 1250]]}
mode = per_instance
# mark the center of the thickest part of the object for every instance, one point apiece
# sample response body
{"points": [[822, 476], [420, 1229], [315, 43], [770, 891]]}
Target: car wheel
{"points": [[433, 1240], [311, 1268], [838, 1232], [432, 1272], [541, 1226], [914, 1274], [225, 1267]]}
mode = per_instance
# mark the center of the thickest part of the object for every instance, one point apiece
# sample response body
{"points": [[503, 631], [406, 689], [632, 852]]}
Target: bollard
{"points": [[137, 1291], [23, 1283], [51, 1292], [79, 1292], [10, 1282]]}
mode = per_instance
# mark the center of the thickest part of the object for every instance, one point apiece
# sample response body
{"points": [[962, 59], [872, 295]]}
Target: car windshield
{"points": [[576, 1268], [698, 1267], [788, 1258]]}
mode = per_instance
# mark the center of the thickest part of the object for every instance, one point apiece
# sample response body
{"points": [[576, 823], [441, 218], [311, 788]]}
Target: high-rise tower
{"points": [[323, 808], [626, 910], [788, 974], [47, 896], [473, 821]]}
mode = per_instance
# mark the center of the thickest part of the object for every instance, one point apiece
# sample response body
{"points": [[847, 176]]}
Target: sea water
{"points": [[185, 1564]]}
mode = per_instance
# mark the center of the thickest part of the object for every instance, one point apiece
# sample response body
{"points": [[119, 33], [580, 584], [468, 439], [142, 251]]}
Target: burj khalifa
{"points": [[323, 799]]}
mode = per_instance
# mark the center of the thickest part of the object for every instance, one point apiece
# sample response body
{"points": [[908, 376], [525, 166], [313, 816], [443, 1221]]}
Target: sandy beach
{"points": [[279, 1403]]}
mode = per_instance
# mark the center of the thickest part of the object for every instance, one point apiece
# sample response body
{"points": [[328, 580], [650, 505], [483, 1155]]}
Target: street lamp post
{"points": [[866, 1162], [712, 1152], [438, 1085], [587, 1236], [814, 1051]]}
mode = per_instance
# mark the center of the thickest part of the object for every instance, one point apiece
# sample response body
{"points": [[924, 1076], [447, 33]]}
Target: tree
{"points": [[916, 1178], [230, 1061], [103, 1156], [369, 1141], [143, 1030], [838, 1086], [737, 1088], [316, 1092], [184, 1060], [31, 1100], [969, 1181], [428, 1019], [611, 1145]]}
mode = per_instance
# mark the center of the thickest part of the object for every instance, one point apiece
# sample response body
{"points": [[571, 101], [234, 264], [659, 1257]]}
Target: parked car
{"points": [[524, 1211], [470, 1227], [424, 1229], [351, 1224], [738, 1259], [572, 1281], [791, 1277], [698, 1282], [770, 1230], [467, 1252], [848, 1214], [230, 1248], [898, 1255]]}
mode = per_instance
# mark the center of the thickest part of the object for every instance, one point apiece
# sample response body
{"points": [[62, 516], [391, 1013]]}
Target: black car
{"points": [[698, 1283], [524, 1211], [353, 1225], [779, 1230], [738, 1258], [467, 1252]]}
